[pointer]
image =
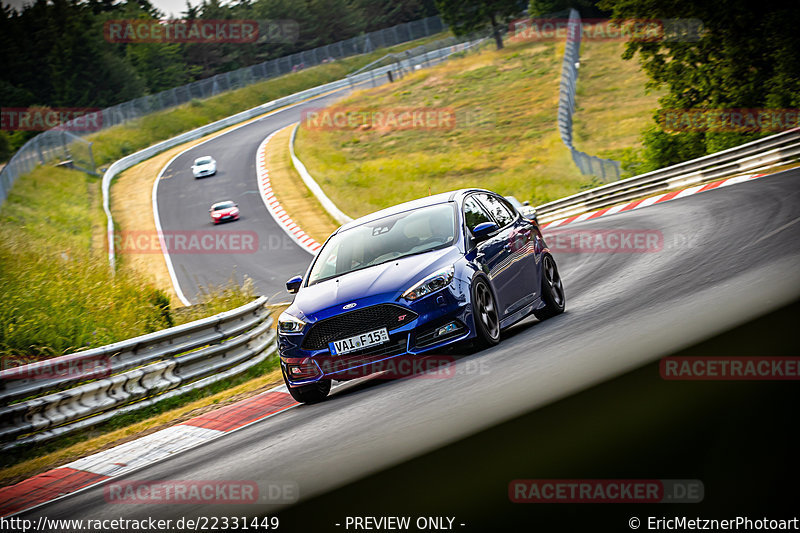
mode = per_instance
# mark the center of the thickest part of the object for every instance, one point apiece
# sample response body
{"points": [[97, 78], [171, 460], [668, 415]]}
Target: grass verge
{"points": [[52, 267], [289, 189], [505, 136]]}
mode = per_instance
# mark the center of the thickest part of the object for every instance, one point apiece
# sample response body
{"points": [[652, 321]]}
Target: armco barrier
{"points": [[138, 157], [776, 149], [137, 373], [313, 186]]}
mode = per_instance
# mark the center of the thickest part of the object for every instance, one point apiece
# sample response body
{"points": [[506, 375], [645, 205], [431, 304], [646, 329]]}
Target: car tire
{"points": [[552, 290], [311, 393], [484, 314]]}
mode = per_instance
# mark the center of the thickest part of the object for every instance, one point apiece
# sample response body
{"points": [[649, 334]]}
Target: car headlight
{"points": [[432, 283], [290, 324]]}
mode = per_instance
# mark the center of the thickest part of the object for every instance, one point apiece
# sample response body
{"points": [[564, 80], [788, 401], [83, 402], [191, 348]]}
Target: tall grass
{"points": [[505, 136], [216, 299], [58, 292]]}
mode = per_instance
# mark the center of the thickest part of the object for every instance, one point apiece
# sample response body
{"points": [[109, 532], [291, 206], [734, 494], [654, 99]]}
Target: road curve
{"points": [[728, 256], [183, 204]]}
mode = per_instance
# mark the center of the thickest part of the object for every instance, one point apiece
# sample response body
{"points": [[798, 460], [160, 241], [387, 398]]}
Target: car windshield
{"points": [[223, 205], [203, 161], [379, 241]]}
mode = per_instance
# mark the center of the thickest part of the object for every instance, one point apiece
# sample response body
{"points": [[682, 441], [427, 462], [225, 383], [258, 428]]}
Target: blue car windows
{"points": [[502, 214]]}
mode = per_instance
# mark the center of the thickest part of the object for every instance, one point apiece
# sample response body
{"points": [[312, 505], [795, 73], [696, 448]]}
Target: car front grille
{"points": [[356, 322]]}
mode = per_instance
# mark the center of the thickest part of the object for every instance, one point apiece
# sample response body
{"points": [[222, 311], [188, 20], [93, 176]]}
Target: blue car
{"points": [[411, 279]]}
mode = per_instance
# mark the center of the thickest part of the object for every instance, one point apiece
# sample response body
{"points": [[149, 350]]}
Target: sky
{"points": [[174, 7]]}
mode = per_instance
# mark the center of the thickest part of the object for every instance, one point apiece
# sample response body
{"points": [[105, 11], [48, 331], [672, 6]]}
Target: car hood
{"points": [[372, 285]]}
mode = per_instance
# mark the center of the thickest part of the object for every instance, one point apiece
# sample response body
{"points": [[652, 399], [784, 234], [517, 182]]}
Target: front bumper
{"points": [[443, 318]]}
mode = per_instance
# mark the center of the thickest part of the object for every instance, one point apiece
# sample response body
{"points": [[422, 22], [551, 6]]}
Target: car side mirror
{"points": [[484, 230], [293, 285]]}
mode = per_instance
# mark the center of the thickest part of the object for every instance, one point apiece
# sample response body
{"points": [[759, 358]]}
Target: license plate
{"points": [[359, 342]]}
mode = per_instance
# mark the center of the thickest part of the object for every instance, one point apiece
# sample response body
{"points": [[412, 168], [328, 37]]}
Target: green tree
{"points": [[587, 8], [466, 16], [746, 56], [380, 14]]}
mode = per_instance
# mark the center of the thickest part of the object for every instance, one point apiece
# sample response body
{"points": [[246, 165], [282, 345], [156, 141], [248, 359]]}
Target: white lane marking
{"points": [[160, 232], [143, 451], [170, 268]]}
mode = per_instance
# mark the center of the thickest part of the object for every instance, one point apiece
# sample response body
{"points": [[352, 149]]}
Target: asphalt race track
{"points": [[727, 257], [183, 204]]}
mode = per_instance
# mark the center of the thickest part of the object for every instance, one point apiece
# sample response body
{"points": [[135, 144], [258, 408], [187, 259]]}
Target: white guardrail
{"points": [[769, 151], [142, 155], [58, 396]]}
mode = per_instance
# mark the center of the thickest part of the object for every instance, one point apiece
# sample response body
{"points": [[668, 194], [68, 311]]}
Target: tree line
{"points": [[746, 55], [55, 52]]}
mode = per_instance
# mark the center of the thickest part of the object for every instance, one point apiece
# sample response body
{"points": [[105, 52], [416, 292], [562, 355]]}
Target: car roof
{"points": [[425, 201], [203, 157], [222, 202]]}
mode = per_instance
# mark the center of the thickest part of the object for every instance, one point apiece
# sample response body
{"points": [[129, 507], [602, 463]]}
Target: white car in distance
{"points": [[204, 166]]}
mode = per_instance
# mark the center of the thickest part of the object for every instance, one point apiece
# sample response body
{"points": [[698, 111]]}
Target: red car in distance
{"points": [[224, 211]]}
